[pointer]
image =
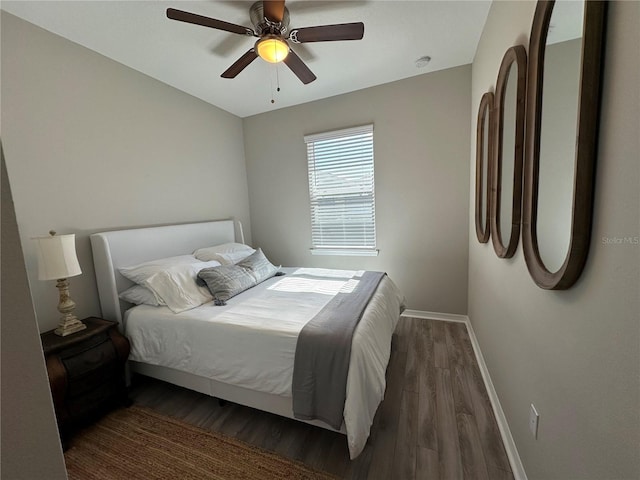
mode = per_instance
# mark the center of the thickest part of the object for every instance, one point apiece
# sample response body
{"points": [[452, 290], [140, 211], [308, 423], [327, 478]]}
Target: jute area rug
{"points": [[137, 443]]}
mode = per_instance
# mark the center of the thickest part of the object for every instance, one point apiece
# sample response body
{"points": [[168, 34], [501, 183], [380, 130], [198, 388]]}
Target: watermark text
{"points": [[622, 240]]}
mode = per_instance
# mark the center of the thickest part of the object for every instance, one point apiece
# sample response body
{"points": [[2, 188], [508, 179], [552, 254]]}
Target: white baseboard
{"points": [[446, 317], [509, 444]]}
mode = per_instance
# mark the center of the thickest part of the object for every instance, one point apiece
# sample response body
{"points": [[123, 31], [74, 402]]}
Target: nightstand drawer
{"points": [[80, 346], [88, 360], [93, 400], [104, 374]]}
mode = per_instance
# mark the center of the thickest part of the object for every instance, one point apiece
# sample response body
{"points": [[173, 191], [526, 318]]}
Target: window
{"points": [[341, 189]]}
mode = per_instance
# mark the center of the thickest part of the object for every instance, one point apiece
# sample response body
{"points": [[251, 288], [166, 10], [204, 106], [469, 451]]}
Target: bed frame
{"points": [[116, 249]]}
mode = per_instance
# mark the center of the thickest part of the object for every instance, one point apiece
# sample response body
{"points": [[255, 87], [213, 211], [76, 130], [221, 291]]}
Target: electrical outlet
{"points": [[534, 418]]}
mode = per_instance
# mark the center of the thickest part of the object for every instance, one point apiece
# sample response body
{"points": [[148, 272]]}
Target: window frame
{"points": [[365, 188]]}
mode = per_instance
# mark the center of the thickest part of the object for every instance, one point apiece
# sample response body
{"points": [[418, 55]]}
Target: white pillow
{"points": [[141, 272], [226, 254], [139, 295], [231, 258], [178, 286]]}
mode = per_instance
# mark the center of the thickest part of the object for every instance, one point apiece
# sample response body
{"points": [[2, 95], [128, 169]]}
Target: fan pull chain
{"points": [[271, 87], [277, 82], [275, 55]]}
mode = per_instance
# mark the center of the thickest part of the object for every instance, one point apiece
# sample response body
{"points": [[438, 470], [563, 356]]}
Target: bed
{"points": [[244, 351]]}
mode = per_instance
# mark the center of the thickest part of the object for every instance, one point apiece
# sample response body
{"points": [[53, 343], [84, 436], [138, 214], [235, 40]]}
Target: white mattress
{"points": [[251, 341]]}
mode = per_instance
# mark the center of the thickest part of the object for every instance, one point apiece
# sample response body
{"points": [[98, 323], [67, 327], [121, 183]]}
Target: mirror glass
{"points": [[558, 132]]}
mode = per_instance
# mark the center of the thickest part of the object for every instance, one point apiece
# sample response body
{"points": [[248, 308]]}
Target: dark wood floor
{"points": [[435, 421]]}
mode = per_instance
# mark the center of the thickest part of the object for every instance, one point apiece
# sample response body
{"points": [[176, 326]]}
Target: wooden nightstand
{"points": [[86, 372]]}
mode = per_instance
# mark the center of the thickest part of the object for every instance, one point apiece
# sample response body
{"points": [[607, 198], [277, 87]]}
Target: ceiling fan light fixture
{"points": [[272, 49]]}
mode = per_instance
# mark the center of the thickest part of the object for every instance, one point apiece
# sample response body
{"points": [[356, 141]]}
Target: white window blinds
{"points": [[341, 189]]}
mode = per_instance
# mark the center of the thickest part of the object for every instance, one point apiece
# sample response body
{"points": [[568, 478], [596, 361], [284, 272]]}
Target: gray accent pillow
{"points": [[258, 264], [227, 281]]}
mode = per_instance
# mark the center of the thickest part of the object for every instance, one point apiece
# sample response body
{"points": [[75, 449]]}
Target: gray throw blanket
{"points": [[323, 350]]}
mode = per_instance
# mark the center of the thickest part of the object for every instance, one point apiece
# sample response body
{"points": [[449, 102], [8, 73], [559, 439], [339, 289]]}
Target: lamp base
{"points": [[67, 326], [69, 323]]}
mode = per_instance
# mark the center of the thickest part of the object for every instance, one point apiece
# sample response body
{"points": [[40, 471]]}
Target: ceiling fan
{"points": [[270, 19]]}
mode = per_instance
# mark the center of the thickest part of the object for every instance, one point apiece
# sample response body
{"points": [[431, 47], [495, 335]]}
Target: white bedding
{"points": [[251, 341]]}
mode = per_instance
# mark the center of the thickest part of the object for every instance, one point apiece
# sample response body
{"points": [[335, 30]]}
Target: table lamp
{"points": [[57, 260]]}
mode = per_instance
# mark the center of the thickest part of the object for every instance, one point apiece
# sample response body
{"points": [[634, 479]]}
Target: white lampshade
{"points": [[57, 257]]}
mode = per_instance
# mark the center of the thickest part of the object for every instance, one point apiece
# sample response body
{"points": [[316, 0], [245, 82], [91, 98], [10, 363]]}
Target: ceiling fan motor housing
{"points": [[263, 26]]}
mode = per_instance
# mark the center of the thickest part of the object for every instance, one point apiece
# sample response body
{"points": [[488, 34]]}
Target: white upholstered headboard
{"points": [[116, 249]]}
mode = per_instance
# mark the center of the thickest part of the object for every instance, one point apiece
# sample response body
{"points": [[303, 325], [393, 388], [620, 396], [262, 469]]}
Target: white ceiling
{"points": [[191, 58]]}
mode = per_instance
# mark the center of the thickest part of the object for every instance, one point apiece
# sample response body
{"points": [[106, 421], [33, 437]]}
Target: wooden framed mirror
{"points": [[563, 100], [484, 154], [506, 173]]}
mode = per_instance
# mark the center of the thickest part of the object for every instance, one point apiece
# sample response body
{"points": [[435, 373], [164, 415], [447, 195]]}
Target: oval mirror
{"points": [[506, 178], [563, 92], [484, 152]]}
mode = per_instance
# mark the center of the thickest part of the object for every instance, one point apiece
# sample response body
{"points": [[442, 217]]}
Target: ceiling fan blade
{"points": [[240, 64], [303, 52], [298, 67], [187, 17], [228, 45], [273, 10], [328, 33]]}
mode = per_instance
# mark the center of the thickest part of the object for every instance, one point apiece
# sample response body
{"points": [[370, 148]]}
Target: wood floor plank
{"points": [[337, 460], [233, 425], [404, 459], [440, 351], [434, 420], [492, 446], [496, 473], [414, 350], [255, 429], [274, 434], [448, 443], [385, 428], [427, 464], [298, 448], [473, 464], [402, 333], [189, 405], [427, 424], [316, 457], [360, 468], [204, 414], [293, 436], [229, 410], [424, 331], [466, 346], [463, 402], [454, 348]]}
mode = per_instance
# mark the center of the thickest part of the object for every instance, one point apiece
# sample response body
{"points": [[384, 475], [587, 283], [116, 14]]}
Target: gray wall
{"points": [[575, 354], [421, 135], [92, 145], [29, 444]]}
